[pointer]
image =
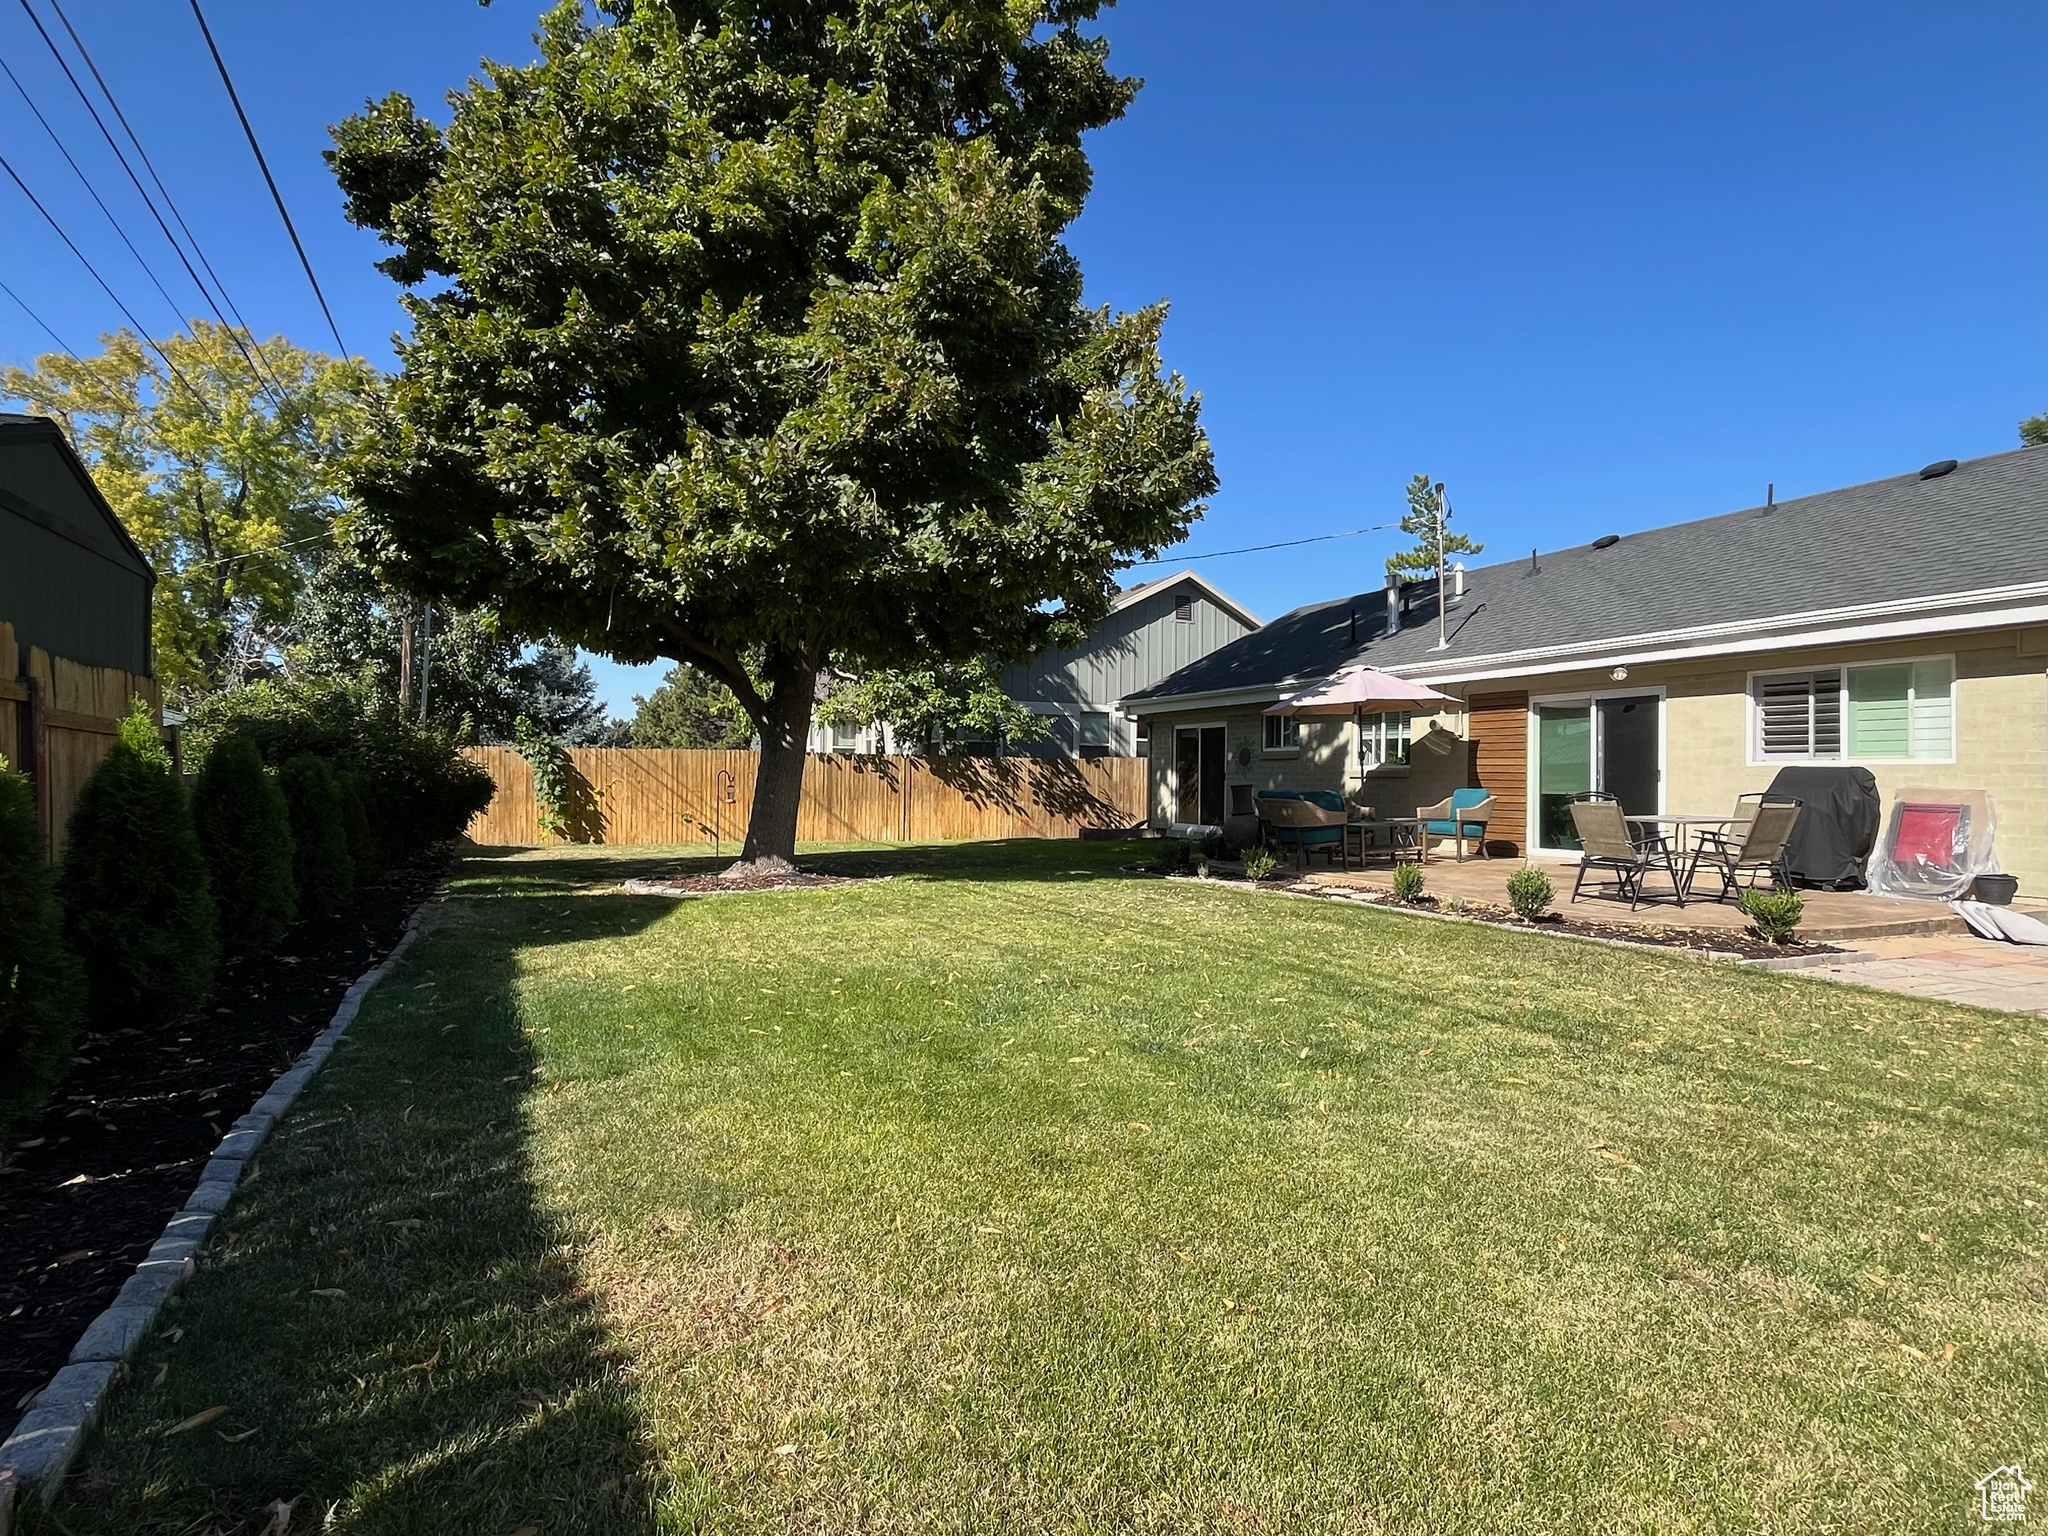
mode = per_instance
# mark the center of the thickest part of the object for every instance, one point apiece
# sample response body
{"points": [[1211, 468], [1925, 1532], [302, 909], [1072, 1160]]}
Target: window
{"points": [[1184, 608], [845, 738], [1283, 733], [1900, 711], [1143, 729], [1091, 731], [1383, 740]]}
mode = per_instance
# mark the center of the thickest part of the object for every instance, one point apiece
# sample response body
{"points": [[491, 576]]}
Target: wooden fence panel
{"points": [[78, 711], [675, 797]]}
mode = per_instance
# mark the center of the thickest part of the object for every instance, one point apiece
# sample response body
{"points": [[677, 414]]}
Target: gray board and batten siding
{"points": [[1151, 632], [71, 580]]}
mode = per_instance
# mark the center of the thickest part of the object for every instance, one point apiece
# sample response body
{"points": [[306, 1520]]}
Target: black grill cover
{"points": [[1837, 828]]}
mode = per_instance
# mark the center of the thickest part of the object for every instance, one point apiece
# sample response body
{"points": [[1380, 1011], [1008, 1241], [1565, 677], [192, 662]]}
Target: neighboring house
{"points": [[1150, 631], [1900, 626], [74, 616]]}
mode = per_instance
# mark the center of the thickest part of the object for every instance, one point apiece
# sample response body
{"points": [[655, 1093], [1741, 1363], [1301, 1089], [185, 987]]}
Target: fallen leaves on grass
{"points": [[199, 1420]]}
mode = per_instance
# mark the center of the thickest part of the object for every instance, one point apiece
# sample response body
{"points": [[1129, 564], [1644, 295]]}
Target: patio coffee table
{"points": [[1404, 835]]}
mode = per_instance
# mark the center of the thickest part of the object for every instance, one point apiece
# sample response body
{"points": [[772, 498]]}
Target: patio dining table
{"points": [[1683, 826]]}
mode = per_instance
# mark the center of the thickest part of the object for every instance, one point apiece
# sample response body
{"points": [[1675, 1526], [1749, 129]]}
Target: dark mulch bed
{"points": [[719, 885], [89, 1189], [1723, 941]]}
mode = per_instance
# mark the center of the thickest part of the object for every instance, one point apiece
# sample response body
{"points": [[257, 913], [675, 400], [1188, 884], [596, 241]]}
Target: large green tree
{"points": [[752, 343], [224, 466], [1428, 515]]}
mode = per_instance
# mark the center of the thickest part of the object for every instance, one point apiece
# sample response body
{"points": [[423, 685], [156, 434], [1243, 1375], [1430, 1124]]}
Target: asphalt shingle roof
{"points": [[1984, 524]]}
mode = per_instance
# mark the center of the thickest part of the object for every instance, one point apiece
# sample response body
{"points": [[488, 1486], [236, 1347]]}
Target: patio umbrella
{"points": [[1361, 690]]}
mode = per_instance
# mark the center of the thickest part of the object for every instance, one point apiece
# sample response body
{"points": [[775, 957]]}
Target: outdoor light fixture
{"points": [[1619, 674]]}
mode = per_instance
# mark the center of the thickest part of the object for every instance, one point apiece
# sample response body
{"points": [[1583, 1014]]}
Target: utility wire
{"points": [[39, 320], [140, 331], [171, 203], [100, 123], [1253, 549], [91, 191], [275, 196]]}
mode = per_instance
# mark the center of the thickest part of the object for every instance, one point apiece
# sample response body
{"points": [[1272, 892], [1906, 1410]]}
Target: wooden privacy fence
{"points": [[646, 796], [58, 718]]}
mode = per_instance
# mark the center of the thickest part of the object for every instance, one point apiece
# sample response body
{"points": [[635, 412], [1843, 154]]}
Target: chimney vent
{"points": [[1393, 603], [1457, 580]]}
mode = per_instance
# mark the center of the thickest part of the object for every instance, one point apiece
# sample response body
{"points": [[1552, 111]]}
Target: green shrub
{"points": [[1212, 845], [364, 850], [41, 992], [1408, 882], [1172, 856], [1530, 893], [321, 867], [1775, 913], [566, 805], [138, 909], [1259, 863], [245, 831], [417, 788]]}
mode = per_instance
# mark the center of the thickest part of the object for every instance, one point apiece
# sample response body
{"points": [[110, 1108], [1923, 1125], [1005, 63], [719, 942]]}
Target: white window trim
{"points": [[1753, 731], [1283, 750], [1380, 765]]}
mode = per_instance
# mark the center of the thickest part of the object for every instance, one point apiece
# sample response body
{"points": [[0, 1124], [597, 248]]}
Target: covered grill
{"points": [[1837, 828]]}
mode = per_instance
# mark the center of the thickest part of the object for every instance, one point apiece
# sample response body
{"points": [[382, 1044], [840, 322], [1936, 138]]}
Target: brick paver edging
{"points": [[42, 1446]]}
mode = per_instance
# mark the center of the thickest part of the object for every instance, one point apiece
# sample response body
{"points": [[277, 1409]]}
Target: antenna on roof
{"points": [[1532, 562]]}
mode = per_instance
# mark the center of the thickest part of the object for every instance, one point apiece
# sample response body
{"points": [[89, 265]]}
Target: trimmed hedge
{"points": [[138, 907], [245, 831], [363, 847], [42, 992], [417, 789], [321, 866]]}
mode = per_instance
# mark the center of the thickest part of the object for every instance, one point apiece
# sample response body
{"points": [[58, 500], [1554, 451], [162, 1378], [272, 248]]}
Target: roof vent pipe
{"points": [[1457, 580], [1393, 603]]}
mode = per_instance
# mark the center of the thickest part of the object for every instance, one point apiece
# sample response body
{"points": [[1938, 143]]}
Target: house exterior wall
{"points": [[2001, 729], [67, 584], [1327, 759]]}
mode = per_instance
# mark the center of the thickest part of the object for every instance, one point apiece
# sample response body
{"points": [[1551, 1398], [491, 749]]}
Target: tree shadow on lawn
{"points": [[553, 872], [393, 1324]]}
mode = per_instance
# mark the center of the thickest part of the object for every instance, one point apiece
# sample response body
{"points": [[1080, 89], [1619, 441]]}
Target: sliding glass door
{"points": [[1612, 744], [1198, 761]]}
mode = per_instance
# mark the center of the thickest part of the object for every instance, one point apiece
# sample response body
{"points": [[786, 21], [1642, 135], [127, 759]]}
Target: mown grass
{"points": [[1009, 1195]]}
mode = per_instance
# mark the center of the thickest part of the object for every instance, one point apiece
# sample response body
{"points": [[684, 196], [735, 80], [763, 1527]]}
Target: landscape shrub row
{"points": [[302, 794]]}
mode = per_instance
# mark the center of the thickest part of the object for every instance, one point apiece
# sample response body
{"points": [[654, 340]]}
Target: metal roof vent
{"points": [[1607, 541], [1937, 469]]}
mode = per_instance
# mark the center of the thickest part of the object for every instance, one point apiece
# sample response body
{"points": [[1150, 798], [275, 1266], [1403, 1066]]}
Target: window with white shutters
{"points": [[1799, 715]]}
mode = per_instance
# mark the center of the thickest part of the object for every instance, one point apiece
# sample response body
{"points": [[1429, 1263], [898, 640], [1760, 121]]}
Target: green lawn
{"points": [[1011, 1195]]}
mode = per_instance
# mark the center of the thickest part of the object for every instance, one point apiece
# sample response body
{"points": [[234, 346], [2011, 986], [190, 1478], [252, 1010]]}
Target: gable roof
{"points": [[1979, 532], [1214, 593], [43, 480]]}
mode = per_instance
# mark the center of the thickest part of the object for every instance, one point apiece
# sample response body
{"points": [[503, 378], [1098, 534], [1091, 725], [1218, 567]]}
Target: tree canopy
{"points": [[226, 475], [752, 342], [1425, 501], [690, 709], [2034, 431]]}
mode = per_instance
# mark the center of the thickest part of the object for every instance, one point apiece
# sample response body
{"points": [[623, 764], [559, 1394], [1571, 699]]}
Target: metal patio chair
{"points": [[1605, 845], [1752, 849]]}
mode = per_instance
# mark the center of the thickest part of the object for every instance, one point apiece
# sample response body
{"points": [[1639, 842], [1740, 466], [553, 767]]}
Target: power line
{"points": [[100, 123], [1253, 549], [275, 196], [140, 331], [90, 190], [198, 250], [39, 320]]}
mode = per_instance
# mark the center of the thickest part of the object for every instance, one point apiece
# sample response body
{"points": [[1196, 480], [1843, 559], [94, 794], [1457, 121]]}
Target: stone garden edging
{"points": [[41, 1447]]}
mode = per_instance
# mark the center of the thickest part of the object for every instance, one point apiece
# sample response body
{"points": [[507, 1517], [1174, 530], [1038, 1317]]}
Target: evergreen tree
{"points": [[41, 990], [321, 866], [690, 709], [246, 833], [365, 850], [138, 907], [2034, 431], [1425, 501]]}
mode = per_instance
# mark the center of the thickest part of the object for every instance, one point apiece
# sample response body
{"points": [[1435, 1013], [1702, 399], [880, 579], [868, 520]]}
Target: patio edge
{"points": [[44, 1442]]}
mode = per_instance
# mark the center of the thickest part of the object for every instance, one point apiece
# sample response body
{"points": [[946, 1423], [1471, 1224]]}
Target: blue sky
{"points": [[1597, 266]]}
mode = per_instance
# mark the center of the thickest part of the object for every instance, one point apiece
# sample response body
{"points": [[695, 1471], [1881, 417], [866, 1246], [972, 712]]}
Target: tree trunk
{"points": [[785, 726]]}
